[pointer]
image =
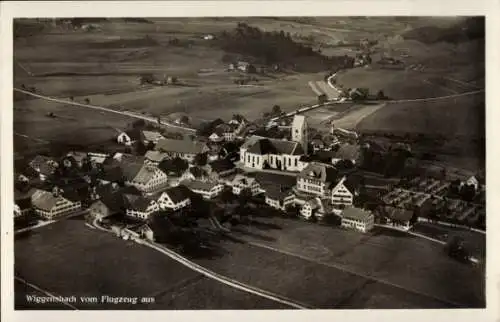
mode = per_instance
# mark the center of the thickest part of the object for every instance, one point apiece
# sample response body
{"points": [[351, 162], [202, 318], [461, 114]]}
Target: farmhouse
{"points": [[184, 149], [279, 197], [50, 205], [139, 206], [107, 205], [43, 166], [154, 157], [207, 190], [97, 158], [217, 136], [78, 158], [146, 178], [317, 207], [398, 217], [358, 219], [261, 153], [131, 136], [151, 137], [241, 182], [175, 198]]}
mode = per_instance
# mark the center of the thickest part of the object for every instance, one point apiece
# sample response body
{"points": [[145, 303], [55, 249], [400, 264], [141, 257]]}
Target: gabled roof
{"points": [[262, 145], [136, 202], [221, 165], [356, 214], [243, 180], [46, 165], [44, 200], [152, 135], [399, 214], [277, 192], [130, 170], [319, 171], [145, 174], [155, 156], [200, 185], [111, 174], [181, 146], [178, 193]]}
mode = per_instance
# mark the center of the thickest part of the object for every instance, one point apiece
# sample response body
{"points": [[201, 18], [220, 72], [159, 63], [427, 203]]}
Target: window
{"points": [[289, 162], [296, 162]]}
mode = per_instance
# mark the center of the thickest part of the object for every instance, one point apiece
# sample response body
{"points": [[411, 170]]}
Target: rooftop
{"points": [[181, 146], [356, 214], [262, 145], [319, 171]]}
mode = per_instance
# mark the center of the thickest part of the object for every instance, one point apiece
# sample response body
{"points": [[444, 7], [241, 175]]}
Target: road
{"points": [[105, 109], [215, 276]]}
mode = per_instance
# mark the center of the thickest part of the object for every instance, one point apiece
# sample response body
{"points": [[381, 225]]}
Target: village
{"points": [[221, 177]]}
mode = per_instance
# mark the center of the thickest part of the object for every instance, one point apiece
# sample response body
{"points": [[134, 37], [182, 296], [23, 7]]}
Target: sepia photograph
{"points": [[249, 163]]}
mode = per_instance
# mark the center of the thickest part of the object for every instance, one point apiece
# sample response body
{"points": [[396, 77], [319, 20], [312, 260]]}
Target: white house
{"points": [[146, 178], [341, 195], [140, 207], [358, 219], [174, 198], [185, 149], [241, 182], [207, 190], [398, 217], [279, 197], [318, 207], [131, 136], [50, 205], [317, 179], [216, 137], [262, 153]]}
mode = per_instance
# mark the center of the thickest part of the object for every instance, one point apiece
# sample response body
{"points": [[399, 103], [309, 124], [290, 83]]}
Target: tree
{"points": [[201, 159], [177, 166], [381, 95], [455, 248], [139, 124], [87, 101], [276, 110], [184, 119], [140, 148], [227, 195]]}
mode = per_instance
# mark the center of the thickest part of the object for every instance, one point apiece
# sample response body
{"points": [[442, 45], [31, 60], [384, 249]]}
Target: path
{"points": [[215, 276], [95, 107]]}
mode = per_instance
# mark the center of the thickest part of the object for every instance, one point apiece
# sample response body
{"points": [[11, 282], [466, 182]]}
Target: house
{"points": [[471, 181], [78, 157], [110, 174], [154, 157], [151, 137], [220, 168], [50, 205], [145, 177], [347, 151], [107, 205], [185, 149], [317, 207], [317, 144], [261, 153], [97, 159], [43, 166], [317, 179], [241, 182], [216, 136], [243, 66], [279, 197], [230, 131], [207, 190], [175, 198], [300, 132], [22, 207], [130, 137], [238, 119], [343, 193], [398, 217], [358, 219], [139, 206]]}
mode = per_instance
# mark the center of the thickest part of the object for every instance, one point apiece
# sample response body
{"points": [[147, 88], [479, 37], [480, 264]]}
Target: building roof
{"points": [[24, 203], [111, 174], [136, 202], [181, 146], [319, 171], [356, 214], [155, 156], [130, 170], [78, 156], [200, 185], [197, 172], [178, 193], [114, 201], [277, 192], [127, 157], [261, 146], [44, 200], [275, 179], [399, 214], [46, 165], [221, 165], [152, 135], [243, 180], [146, 173], [348, 152]]}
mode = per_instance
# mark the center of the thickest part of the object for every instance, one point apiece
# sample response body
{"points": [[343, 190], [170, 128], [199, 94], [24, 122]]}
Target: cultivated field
{"points": [[415, 265]]}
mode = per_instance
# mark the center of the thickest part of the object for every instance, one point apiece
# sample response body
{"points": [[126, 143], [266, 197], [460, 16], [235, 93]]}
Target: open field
{"points": [[462, 116], [411, 263]]}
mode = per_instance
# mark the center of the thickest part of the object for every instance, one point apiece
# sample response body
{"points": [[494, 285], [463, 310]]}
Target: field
{"points": [[416, 266]]}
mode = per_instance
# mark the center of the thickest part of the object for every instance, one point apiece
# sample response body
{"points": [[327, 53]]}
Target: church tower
{"points": [[299, 131]]}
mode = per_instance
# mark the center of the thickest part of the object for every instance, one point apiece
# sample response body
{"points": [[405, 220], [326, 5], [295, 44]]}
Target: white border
{"points": [[8, 10]]}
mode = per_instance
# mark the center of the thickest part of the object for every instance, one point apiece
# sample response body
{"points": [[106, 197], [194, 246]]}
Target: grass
{"points": [[412, 263], [51, 258]]}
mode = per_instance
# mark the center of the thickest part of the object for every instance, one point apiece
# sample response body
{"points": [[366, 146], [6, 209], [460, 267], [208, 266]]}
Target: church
{"points": [[259, 152]]}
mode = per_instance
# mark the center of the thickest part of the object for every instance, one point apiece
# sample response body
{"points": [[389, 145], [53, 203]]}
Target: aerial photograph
{"points": [[249, 163]]}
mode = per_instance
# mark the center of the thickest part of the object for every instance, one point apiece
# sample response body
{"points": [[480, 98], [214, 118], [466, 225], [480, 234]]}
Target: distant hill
{"points": [[262, 47], [466, 30]]}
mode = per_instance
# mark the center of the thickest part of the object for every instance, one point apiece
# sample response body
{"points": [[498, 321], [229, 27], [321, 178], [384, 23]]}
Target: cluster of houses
{"points": [[168, 175]]}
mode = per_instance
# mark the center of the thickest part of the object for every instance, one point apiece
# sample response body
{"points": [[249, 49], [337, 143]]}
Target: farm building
{"points": [[175, 198], [146, 178], [107, 205], [154, 157], [139, 206], [207, 190], [358, 219], [50, 205], [241, 182], [278, 197], [184, 149], [221, 168], [398, 217], [317, 207]]}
